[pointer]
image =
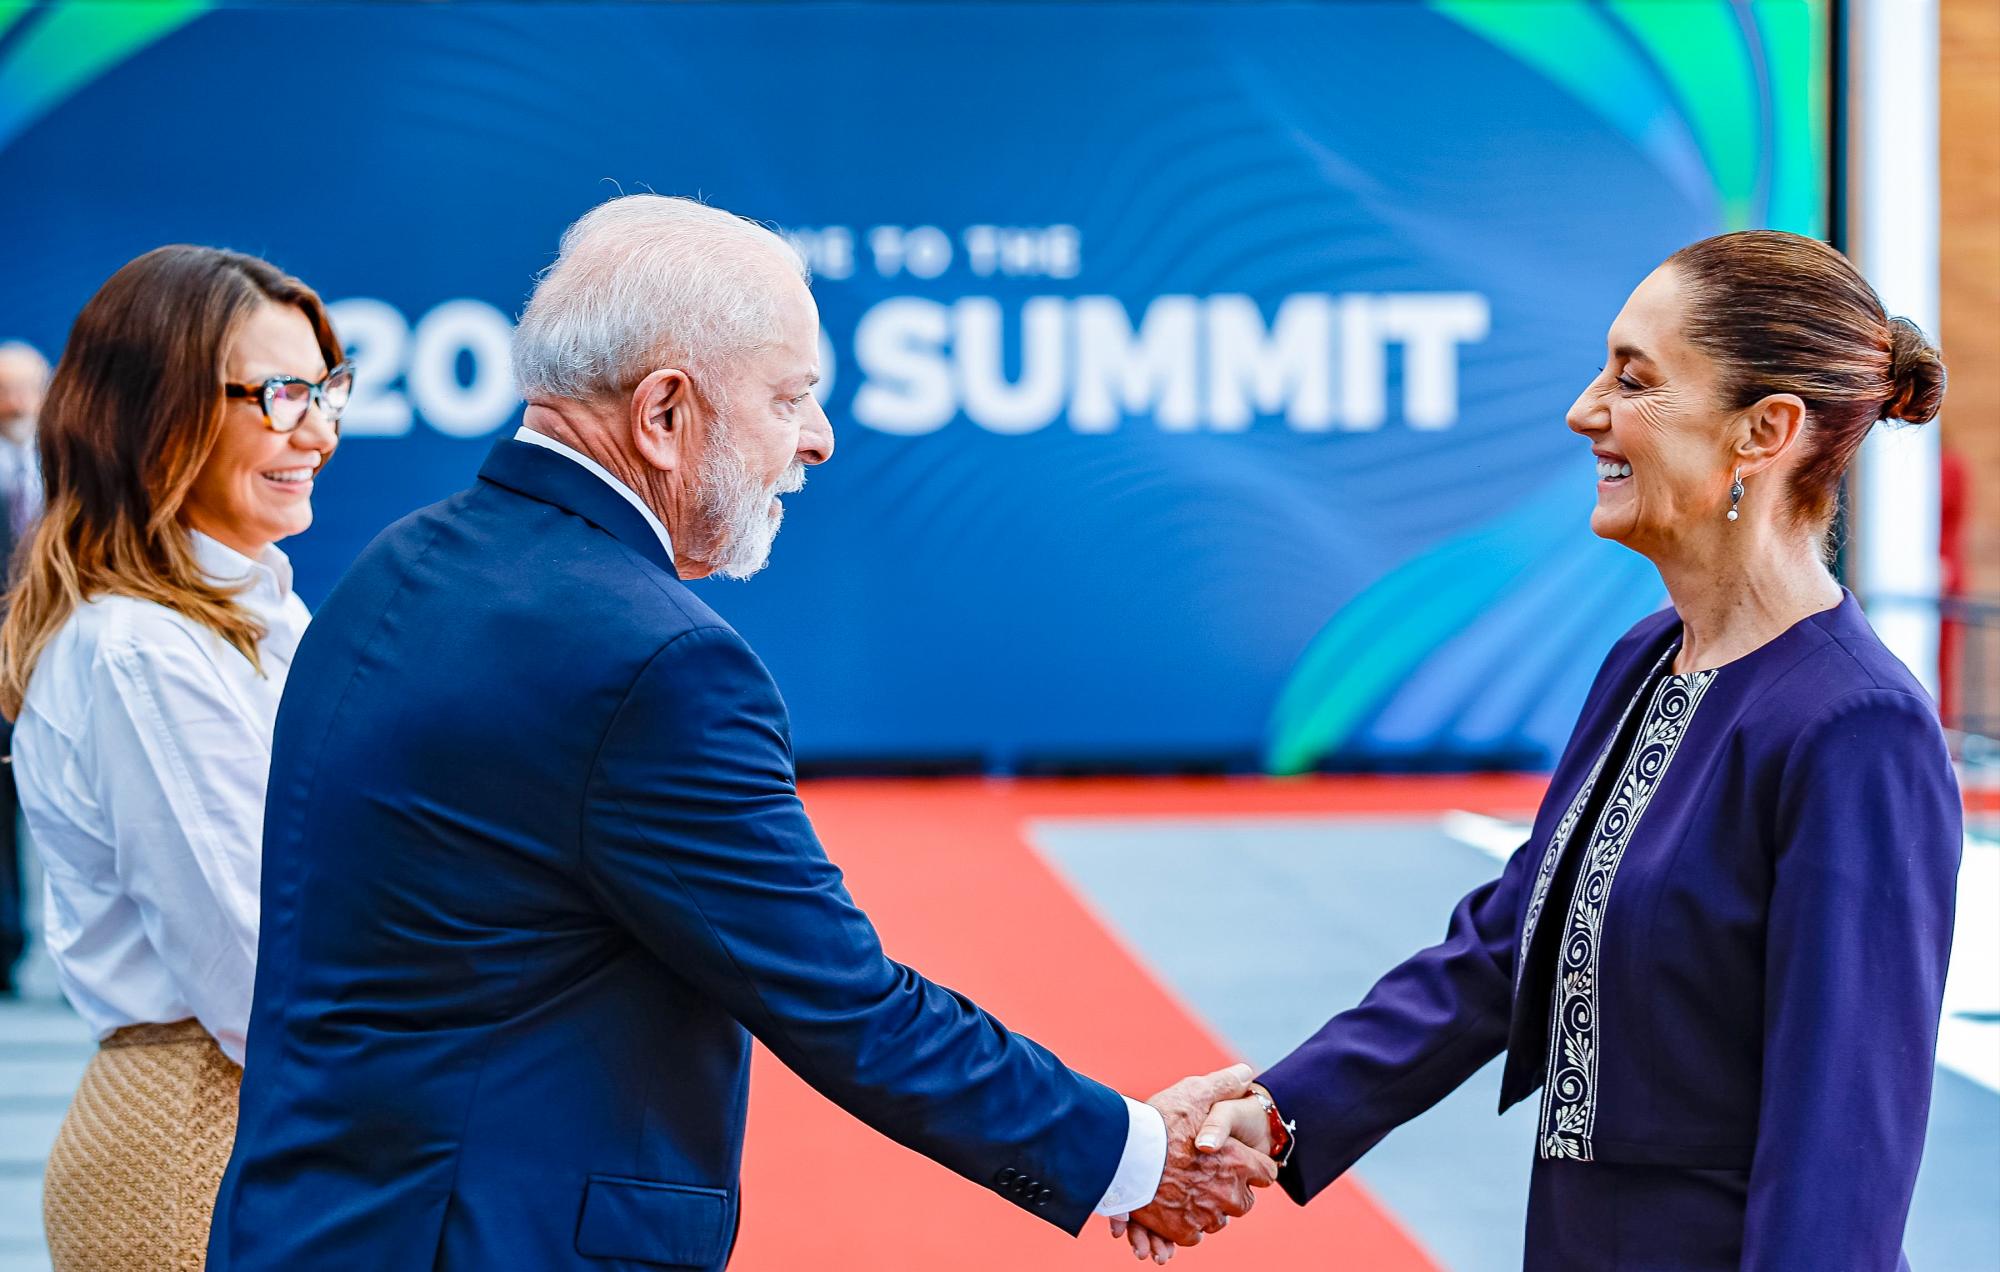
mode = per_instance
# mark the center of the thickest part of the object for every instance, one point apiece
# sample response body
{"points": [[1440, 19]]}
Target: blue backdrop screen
{"points": [[1198, 371]]}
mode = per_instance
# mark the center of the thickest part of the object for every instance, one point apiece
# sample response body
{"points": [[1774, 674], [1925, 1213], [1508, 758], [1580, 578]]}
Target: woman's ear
{"points": [[1768, 429], [658, 423]]}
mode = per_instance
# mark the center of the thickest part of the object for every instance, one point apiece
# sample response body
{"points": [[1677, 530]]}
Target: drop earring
{"points": [[1735, 492]]}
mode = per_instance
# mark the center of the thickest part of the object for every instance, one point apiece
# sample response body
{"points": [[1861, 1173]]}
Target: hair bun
{"points": [[1916, 375]]}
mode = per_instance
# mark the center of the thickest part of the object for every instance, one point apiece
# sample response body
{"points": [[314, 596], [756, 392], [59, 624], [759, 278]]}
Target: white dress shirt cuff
{"points": [[1145, 1159]]}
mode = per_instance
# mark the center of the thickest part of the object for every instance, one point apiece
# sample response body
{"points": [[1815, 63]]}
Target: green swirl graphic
{"points": [[63, 47]]}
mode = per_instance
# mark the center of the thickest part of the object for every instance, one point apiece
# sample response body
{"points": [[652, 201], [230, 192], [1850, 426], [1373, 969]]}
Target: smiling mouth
{"points": [[293, 479], [1612, 472]]}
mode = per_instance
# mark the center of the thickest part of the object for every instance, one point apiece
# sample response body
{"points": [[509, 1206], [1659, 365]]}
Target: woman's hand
{"points": [[1243, 1120]]}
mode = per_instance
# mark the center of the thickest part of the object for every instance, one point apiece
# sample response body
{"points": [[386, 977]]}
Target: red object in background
{"points": [[1952, 517], [945, 870]]}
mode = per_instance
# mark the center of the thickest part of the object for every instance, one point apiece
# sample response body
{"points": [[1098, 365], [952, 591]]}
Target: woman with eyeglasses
{"points": [[142, 658]]}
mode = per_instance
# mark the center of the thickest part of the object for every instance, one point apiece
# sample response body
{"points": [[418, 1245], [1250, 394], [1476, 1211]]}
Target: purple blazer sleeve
{"points": [[1424, 1028], [1858, 938]]}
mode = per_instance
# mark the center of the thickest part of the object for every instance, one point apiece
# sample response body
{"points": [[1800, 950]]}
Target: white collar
{"points": [[625, 492], [270, 571]]}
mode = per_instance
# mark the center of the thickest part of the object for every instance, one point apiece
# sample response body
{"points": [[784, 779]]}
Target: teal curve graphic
{"points": [[1730, 100], [1384, 635], [1744, 83], [61, 47]]}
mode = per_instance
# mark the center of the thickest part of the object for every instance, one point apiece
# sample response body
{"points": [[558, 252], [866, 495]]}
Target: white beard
{"points": [[741, 512]]}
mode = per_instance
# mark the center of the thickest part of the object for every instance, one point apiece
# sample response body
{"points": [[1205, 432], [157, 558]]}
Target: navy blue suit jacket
{"points": [[533, 864]]}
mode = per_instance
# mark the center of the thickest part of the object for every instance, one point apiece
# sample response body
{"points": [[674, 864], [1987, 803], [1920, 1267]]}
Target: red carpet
{"points": [[946, 872]]}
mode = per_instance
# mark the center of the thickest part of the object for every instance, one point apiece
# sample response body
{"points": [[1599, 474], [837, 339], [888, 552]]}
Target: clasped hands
{"points": [[1218, 1150]]}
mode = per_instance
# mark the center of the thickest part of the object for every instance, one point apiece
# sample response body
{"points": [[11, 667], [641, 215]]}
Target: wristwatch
{"points": [[1283, 1134]]}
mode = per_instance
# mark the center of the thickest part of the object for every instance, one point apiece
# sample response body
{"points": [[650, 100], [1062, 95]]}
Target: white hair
{"points": [[644, 281]]}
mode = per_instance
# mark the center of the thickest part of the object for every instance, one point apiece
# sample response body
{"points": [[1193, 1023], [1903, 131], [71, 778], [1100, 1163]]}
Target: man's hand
{"points": [[1199, 1190]]}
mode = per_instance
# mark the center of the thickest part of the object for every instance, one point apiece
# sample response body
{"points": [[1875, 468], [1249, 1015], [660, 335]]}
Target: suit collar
{"points": [[556, 479], [603, 474]]}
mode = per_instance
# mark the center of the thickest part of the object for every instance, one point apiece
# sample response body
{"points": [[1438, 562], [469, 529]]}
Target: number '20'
{"points": [[402, 373]]}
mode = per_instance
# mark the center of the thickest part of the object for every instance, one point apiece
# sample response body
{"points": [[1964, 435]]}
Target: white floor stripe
{"points": [[1969, 1038], [1496, 838]]}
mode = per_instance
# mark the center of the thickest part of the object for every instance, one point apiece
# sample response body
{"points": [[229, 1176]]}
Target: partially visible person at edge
{"points": [[24, 378], [141, 661], [1721, 955]]}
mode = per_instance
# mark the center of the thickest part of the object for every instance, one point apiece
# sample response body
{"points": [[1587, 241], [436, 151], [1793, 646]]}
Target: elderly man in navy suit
{"points": [[535, 870]]}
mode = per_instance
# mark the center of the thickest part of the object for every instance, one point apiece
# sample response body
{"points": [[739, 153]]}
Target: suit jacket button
{"points": [[1042, 1198], [1006, 1176]]}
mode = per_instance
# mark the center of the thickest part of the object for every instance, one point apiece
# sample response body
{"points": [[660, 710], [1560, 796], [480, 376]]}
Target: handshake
{"points": [[1219, 1147]]}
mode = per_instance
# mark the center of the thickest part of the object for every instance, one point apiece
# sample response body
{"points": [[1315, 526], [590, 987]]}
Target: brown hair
{"points": [[131, 416], [1783, 313]]}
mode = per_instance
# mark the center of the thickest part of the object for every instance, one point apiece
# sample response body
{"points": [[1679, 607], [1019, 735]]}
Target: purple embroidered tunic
{"points": [[1720, 957]]}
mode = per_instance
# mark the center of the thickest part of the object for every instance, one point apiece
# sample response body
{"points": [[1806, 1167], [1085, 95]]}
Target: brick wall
{"points": [[1969, 137]]}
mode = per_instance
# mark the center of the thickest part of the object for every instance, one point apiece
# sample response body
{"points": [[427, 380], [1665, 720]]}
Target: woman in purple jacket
{"points": [[1721, 957]]}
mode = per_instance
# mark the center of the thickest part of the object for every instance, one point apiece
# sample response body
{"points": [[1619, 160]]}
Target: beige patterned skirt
{"points": [[131, 1180]]}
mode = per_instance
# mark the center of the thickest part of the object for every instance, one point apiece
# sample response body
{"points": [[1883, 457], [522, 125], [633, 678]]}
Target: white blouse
{"points": [[141, 756]]}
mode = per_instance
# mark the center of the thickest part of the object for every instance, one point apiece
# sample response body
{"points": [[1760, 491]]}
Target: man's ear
{"points": [[1769, 429], [659, 410]]}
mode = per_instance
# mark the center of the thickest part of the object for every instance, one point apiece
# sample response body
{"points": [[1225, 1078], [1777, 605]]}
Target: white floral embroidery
{"points": [[1552, 856], [1569, 1095]]}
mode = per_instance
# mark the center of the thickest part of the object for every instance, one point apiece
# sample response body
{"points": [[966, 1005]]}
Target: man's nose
{"points": [[816, 438]]}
